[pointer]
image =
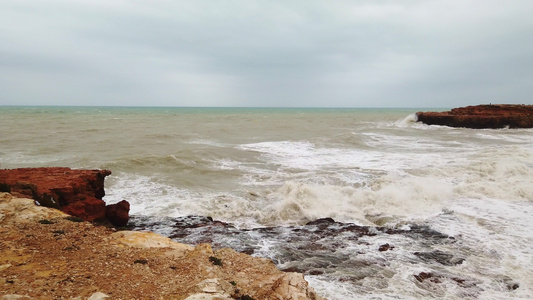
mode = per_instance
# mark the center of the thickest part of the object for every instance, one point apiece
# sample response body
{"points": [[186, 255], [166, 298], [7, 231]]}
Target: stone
{"points": [[23, 210], [443, 258], [482, 116], [215, 286], [293, 286], [98, 296], [118, 213], [138, 239], [385, 247]]}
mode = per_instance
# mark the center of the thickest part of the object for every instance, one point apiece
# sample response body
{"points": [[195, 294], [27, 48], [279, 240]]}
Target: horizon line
{"points": [[245, 107]]}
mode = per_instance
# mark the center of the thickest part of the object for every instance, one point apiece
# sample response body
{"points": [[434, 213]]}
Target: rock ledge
{"points": [[482, 116], [76, 192]]}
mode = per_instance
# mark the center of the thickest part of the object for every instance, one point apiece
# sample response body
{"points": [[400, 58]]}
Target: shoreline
{"points": [[47, 254]]}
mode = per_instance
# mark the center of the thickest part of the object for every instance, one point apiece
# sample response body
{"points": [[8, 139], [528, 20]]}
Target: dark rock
{"points": [[317, 246], [118, 214], [440, 257], [316, 272], [293, 269], [464, 282], [423, 276], [385, 247], [513, 286], [482, 116], [322, 221]]}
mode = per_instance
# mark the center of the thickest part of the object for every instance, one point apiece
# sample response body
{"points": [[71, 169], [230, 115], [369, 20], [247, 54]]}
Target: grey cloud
{"points": [[275, 53]]}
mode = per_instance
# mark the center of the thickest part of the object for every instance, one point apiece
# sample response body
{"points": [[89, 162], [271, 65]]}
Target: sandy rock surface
{"points": [[48, 255]]}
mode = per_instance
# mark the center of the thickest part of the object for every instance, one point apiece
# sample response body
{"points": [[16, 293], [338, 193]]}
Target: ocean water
{"points": [[454, 205]]}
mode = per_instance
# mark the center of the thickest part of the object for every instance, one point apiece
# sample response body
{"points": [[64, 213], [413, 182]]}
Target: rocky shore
{"points": [[48, 254], [482, 116]]}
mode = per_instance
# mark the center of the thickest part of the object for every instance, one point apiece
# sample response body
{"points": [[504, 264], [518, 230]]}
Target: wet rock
{"points": [[385, 247], [423, 276], [464, 282], [322, 221], [76, 192], [482, 116], [439, 278], [118, 214], [513, 286], [293, 269], [318, 245], [443, 258], [316, 272]]}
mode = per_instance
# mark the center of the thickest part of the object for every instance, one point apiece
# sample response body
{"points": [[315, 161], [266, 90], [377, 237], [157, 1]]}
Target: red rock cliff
{"points": [[76, 192], [482, 116]]}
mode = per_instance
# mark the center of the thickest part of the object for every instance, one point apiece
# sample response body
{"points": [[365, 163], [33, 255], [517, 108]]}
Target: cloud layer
{"points": [[266, 53]]}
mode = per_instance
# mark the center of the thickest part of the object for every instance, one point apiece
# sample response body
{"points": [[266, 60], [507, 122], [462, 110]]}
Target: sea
{"points": [[367, 203]]}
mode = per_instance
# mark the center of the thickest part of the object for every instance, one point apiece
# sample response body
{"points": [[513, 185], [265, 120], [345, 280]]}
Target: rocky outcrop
{"points": [[482, 116], [118, 214], [46, 255], [76, 192]]}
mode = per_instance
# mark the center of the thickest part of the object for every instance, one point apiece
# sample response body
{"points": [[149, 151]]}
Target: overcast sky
{"points": [[266, 53]]}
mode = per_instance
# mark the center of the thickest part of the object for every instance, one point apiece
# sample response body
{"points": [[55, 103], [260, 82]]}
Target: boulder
{"points": [[118, 214], [482, 116]]}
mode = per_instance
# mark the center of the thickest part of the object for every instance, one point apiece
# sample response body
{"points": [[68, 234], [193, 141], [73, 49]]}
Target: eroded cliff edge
{"points": [[47, 254], [76, 192], [482, 116]]}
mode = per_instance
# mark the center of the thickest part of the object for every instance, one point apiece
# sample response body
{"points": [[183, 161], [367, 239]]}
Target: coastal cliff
{"points": [[77, 192], [47, 254], [482, 116]]}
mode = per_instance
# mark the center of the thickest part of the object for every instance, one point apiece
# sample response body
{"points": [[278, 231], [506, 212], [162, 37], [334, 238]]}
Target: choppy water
{"points": [[456, 204]]}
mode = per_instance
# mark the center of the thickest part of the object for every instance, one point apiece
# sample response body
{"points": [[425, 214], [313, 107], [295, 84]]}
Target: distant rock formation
{"points": [[76, 192], [482, 116]]}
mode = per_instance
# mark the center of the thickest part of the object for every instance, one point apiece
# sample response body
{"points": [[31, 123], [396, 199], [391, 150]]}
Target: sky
{"points": [[299, 53]]}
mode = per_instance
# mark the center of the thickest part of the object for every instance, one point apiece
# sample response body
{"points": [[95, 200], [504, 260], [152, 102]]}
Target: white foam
{"points": [[391, 195], [151, 198], [496, 236], [408, 121], [309, 157], [206, 142]]}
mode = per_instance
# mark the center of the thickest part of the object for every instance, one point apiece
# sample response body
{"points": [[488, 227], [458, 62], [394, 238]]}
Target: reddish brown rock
{"points": [[118, 214], [76, 192], [482, 116]]}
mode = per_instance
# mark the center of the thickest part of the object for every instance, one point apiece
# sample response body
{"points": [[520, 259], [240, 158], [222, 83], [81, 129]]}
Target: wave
{"points": [[407, 121], [412, 187], [504, 174]]}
